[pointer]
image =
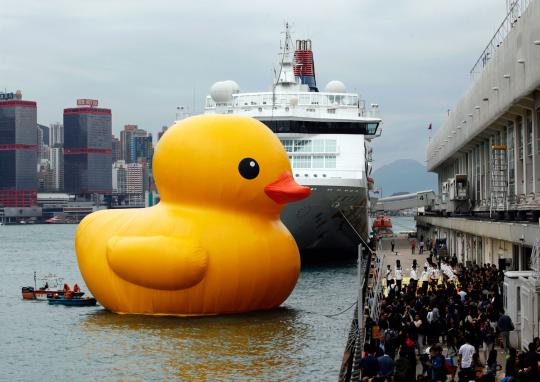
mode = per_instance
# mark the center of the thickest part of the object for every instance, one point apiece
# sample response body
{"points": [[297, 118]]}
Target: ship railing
{"points": [[293, 99], [516, 9]]}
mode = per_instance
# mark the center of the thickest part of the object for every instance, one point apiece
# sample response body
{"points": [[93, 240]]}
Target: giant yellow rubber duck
{"points": [[215, 243]]}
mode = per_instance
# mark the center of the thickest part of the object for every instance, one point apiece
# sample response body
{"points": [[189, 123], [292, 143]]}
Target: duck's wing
{"points": [[157, 262]]}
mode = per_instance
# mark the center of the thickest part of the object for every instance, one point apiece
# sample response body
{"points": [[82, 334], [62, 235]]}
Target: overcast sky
{"points": [[142, 59]]}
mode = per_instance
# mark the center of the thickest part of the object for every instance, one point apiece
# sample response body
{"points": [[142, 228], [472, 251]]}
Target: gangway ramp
{"points": [[418, 199]]}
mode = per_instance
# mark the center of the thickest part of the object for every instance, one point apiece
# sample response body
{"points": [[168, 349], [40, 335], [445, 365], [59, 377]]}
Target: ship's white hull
{"points": [[329, 221]]}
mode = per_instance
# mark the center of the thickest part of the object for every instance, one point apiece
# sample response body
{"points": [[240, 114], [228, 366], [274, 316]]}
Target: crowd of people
{"points": [[445, 324]]}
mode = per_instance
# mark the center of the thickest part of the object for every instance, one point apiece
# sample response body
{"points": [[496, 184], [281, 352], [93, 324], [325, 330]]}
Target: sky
{"points": [[142, 59]]}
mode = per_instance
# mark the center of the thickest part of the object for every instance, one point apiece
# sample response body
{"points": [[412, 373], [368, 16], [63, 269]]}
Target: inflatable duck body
{"points": [[214, 243]]}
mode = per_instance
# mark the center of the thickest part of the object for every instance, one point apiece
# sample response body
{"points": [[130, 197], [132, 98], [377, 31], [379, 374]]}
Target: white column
{"points": [[535, 165], [517, 171]]}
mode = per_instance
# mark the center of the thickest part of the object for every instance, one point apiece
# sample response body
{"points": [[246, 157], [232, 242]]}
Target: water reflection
{"points": [[264, 345]]}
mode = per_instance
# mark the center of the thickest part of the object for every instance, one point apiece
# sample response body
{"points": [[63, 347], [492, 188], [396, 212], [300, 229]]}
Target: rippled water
{"points": [[52, 343]]}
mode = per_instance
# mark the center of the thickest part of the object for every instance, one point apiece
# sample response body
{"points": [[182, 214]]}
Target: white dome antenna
{"points": [[222, 91], [335, 87]]}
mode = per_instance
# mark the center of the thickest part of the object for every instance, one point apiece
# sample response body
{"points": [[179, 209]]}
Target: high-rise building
{"points": [[119, 174], [143, 147], [135, 175], [160, 133], [136, 143], [46, 133], [45, 176], [18, 151], [57, 168], [138, 133], [42, 143], [128, 178], [56, 143], [116, 149], [126, 142], [56, 134], [87, 149]]}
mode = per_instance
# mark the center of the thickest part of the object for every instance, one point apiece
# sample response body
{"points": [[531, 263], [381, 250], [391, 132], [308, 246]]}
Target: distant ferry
{"points": [[327, 136]]}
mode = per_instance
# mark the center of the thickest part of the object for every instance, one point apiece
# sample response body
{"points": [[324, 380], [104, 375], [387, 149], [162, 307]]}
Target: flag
{"points": [[429, 127]]}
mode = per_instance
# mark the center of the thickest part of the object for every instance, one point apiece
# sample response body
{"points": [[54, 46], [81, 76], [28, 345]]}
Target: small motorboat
{"points": [[72, 301], [50, 285]]}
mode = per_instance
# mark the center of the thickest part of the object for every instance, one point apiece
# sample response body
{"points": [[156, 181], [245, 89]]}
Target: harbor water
{"points": [[302, 340]]}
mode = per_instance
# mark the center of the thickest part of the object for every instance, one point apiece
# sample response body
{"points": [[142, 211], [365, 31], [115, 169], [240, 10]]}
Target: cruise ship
{"points": [[327, 135]]}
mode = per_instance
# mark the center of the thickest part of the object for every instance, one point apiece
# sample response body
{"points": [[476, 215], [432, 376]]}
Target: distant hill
{"points": [[404, 176]]}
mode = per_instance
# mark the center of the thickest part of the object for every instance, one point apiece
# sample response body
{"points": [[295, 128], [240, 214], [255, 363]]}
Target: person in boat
{"points": [[45, 287], [66, 287], [76, 288]]}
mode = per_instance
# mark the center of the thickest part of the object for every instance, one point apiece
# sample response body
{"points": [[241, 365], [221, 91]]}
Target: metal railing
{"points": [[376, 293], [512, 17]]}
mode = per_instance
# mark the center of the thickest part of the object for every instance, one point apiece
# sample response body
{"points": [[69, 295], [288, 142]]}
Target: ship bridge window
{"points": [[372, 128], [302, 146], [330, 146], [322, 127], [318, 146], [287, 144]]}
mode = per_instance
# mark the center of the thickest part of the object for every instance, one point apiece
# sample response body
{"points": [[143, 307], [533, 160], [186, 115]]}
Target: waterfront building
{"points": [[487, 158], [18, 151], [87, 149]]}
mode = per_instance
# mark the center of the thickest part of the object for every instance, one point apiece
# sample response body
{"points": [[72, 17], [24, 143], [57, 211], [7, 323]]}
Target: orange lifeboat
{"points": [[382, 225]]}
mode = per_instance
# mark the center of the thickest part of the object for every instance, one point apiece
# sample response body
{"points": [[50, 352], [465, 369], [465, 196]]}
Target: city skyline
{"points": [[151, 59]]}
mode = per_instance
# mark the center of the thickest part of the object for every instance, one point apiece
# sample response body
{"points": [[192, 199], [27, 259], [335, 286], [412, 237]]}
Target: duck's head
{"points": [[226, 161]]}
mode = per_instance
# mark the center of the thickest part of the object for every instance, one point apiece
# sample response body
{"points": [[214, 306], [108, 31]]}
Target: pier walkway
{"points": [[459, 319]]}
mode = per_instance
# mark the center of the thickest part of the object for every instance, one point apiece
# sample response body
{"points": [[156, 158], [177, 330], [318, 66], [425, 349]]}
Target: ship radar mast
{"points": [[285, 75]]}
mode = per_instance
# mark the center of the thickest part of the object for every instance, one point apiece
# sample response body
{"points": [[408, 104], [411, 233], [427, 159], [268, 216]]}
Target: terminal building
{"points": [[487, 158], [18, 151], [87, 149]]}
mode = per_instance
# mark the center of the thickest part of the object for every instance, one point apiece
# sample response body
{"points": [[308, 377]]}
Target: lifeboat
{"points": [[370, 183], [382, 225]]}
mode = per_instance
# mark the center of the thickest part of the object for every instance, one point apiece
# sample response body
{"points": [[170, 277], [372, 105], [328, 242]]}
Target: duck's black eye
{"points": [[248, 168]]}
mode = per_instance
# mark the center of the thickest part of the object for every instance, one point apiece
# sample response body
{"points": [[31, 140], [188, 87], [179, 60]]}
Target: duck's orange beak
{"points": [[285, 190]]}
